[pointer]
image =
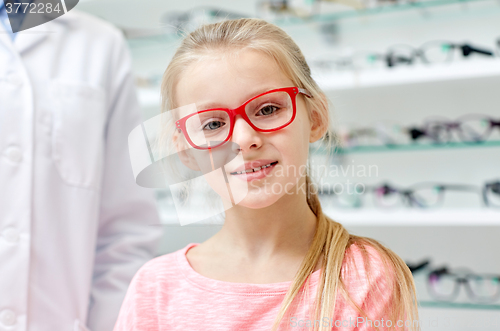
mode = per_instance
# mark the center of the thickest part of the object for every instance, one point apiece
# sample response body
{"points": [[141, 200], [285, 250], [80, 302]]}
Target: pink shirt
{"points": [[168, 294]]}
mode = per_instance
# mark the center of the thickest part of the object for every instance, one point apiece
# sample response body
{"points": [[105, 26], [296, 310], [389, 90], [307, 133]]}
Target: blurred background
{"points": [[415, 92]]}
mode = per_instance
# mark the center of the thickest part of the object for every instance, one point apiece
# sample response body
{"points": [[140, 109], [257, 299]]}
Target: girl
{"points": [[278, 263]]}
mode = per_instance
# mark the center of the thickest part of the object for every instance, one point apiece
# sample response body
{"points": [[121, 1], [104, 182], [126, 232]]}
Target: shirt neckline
{"points": [[220, 286]]}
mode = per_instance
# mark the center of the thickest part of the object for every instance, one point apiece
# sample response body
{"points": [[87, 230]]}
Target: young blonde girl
{"points": [[278, 263]]}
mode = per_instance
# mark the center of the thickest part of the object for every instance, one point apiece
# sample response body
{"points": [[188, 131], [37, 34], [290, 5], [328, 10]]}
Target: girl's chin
{"points": [[254, 201], [256, 197]]}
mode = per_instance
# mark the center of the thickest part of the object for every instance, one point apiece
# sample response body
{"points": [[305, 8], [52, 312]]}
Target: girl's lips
{"points": [[249, 176]]}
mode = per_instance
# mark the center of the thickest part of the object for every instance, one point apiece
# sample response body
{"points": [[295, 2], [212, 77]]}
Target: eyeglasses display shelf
{"points": [[408, 74], [375, 10], [407, 147], [458, 305], [404, 216]]}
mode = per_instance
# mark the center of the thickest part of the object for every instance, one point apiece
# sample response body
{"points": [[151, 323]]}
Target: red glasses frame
{"points": [[292, 92]]}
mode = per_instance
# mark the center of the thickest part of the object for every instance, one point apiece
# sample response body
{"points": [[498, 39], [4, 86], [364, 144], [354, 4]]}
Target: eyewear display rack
{"points": [[416, 80], [409, 147], [459, 87], [330, 13], [413, 74], [458, 305], [381, 9]]}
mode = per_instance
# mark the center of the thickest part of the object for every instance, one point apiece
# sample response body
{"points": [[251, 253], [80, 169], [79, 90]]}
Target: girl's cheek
{"points": [[232, 192], [216, 181]]}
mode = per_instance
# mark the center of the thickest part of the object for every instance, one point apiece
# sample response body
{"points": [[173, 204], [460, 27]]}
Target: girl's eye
{"points": [[268, 110], [213, 125]]}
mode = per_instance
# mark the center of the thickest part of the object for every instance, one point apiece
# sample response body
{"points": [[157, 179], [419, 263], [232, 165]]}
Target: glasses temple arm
{"points": [[468, 49], [459, 187], [305, 92]]}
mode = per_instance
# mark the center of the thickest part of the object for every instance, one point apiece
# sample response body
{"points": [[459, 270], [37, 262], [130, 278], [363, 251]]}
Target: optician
{"points": [[74, 226]]}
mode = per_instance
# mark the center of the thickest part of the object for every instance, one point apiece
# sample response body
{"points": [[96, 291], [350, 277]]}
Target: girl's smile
{"points": [[255, 170]]}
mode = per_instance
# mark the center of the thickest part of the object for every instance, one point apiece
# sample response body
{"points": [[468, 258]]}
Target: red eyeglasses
{"points": [[267, 112]]}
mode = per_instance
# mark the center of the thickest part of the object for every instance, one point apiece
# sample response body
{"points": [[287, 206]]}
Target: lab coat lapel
{"points": [[5, 39], [33, 36]]}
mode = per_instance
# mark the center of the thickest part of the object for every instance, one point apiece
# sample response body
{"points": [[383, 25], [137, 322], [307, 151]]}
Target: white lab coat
{"points": [[74, 226]]}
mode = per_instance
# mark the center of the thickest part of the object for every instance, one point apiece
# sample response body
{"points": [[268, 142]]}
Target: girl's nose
{"points": [[245, 136]]}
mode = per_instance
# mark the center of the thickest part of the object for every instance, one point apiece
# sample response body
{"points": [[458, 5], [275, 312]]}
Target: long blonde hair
{"points": [[331, 239]]}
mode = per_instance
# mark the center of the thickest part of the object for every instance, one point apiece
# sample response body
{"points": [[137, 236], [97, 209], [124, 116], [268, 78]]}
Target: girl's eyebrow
{"points": [[214, 105], [209, 105]]}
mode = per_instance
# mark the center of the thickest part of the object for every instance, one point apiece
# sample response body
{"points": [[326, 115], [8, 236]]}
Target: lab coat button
{"points": [[7, 317], [14, 154], [11, 235]]}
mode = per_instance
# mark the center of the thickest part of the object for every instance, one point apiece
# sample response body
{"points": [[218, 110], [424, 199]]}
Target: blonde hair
{"points": [[331, 239]]}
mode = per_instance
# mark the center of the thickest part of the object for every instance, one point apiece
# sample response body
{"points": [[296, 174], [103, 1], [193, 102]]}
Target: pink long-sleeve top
{"points": [[168, 294]]}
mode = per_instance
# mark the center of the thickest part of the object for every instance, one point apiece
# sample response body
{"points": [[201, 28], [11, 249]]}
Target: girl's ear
{"points": [[183, 151], [319, 126]]}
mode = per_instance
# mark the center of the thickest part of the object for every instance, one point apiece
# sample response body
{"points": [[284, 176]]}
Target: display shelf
{"points": [[415, 217], [409, 74], [333, 14], [378, 10], [406, 148], [458, 305], [376, 217]]}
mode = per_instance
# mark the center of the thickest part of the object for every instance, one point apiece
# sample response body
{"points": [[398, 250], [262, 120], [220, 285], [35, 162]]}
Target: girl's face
{"points": [[227, 82]]}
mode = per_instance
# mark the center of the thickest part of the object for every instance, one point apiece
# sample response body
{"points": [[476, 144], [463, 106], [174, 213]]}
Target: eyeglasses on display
{"points": [[472, 128], [379, 133], [436, 51], [418, 266], [432, 52], [420, 195], [267, 112], [491, 194], [444, 285]]}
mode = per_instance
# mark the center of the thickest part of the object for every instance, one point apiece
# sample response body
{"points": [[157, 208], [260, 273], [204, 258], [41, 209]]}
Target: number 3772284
{"points": [[33, 8]]}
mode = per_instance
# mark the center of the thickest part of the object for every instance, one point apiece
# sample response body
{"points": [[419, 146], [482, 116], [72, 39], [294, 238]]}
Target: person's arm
{"points": [[129, 230]]}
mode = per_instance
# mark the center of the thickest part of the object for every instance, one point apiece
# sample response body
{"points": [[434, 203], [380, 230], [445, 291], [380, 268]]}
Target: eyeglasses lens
{"points": [[493, 194], [208, 126], [270, 111], [474, 129], [392, 133], [438, 131], [400, 55], [386, 196], [484, 288], [427, 196], [437, 52], [443, 286], [267, 112]]}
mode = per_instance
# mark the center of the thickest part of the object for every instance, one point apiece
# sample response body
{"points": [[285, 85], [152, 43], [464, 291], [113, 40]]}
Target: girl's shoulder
{"points": [[364, 255], [376, 283], [368, 265]]}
